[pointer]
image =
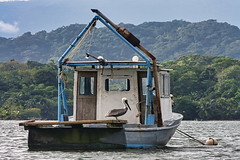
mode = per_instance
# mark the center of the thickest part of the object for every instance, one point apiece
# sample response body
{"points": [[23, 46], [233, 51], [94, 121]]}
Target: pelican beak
{"points": [[128, 105]]}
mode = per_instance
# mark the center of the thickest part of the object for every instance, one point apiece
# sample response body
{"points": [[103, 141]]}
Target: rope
{"points": [[138, 108], [74, 50], [64, 79], [185, 134], [90, 42]]}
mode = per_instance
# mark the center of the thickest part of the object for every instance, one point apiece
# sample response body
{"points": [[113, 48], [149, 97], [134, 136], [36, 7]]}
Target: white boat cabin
{"points": [[98, 90]]}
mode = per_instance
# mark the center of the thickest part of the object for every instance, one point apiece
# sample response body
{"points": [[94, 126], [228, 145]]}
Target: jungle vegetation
{"points": [[204, 87]]}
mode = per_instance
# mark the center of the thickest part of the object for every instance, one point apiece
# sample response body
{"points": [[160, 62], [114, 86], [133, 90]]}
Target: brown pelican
{"points": [[119, 112]]}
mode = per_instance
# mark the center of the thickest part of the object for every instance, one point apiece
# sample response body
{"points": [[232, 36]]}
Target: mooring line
{"points": [[190, 136]]}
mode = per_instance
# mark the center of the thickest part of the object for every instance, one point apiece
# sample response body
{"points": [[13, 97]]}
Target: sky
{"points": [[20, 16]]}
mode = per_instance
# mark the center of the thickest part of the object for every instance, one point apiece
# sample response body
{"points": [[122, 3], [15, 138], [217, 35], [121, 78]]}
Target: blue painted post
{"points": [[64, 99], [149, 85], [59, 94]]}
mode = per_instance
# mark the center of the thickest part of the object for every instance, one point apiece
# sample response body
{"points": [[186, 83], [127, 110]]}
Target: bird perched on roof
{"points": [[119, 112]]}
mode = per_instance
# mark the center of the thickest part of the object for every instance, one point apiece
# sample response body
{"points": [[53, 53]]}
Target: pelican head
{"points": [[125, 103]]}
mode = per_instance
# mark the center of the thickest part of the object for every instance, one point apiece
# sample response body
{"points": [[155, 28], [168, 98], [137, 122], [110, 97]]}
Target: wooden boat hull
{"points": [[99, 137], [74, 138]]}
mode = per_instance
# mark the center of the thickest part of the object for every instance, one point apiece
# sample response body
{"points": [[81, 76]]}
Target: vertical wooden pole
{"points": [[157, 90], [157, 86]]}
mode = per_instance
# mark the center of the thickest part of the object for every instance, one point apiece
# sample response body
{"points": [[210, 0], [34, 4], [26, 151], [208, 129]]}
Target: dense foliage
{"points": [[204, 87], [29, 90], [168, 40]]}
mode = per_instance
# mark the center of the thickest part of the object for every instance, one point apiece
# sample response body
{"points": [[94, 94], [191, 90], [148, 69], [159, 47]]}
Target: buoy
{"points": [[211, 141]]}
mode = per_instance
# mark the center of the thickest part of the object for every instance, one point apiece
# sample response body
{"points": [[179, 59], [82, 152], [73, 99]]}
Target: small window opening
{"points": [[165, 85], [117, 85], [87, 86]]}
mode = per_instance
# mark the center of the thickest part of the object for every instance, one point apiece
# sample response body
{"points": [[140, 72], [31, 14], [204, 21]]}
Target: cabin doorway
{"points": [[86, 95], [142, 76], [142, 81]]}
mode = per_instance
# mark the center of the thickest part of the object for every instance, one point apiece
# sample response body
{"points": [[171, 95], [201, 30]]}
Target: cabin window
{"points": [[87, 86], [117, 84], [165, 85]]}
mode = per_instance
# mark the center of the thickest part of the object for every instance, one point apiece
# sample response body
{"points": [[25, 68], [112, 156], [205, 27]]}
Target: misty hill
{"points": [[165, 40]]}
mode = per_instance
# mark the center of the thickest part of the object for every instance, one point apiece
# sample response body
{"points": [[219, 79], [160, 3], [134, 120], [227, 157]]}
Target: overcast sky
{"points": [[20, 16]]}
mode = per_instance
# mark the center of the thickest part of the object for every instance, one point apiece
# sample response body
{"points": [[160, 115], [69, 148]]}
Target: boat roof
{"points": [[106, 63], [141, 65]]}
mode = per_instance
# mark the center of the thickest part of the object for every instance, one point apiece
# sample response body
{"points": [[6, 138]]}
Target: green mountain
{"points": [[166, 40]]}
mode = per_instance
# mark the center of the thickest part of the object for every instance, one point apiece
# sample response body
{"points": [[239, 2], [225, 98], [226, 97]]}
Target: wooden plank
{"points": [[86, 104], [30, 123]]}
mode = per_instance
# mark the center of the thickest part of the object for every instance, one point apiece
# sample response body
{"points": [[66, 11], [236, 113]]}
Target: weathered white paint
{"points": [[166, 104], [166, 108], [108, 100], [75, 95]]}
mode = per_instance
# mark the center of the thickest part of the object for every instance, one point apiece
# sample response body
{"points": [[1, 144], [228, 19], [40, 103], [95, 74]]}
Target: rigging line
{"points": [[74, 50], [183, 133], [138, 107], [90, 42]]}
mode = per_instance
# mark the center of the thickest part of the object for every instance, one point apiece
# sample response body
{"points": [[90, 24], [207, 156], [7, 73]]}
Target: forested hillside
{"points": [[204, 87], [166, 40]]}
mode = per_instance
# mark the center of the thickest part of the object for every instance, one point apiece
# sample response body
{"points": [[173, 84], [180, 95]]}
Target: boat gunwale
{"points": [[150, 129], [175, 123]]}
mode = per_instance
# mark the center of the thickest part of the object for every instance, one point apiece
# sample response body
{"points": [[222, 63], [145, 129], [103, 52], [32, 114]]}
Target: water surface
{"points": [[13, 144]]}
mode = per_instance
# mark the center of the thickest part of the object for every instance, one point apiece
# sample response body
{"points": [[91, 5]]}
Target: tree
{"points": [[210, 83], [186, 106], [30, 113]]}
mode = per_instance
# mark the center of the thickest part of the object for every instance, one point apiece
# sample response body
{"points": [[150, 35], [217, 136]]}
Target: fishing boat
{"points": [[116, 104]]}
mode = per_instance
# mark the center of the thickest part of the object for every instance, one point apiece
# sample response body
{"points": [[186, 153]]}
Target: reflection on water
{"points": [[13, 144]]}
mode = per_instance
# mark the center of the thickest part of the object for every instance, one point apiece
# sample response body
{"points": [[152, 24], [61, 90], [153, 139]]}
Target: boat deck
{"points": [[110, 123]]}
